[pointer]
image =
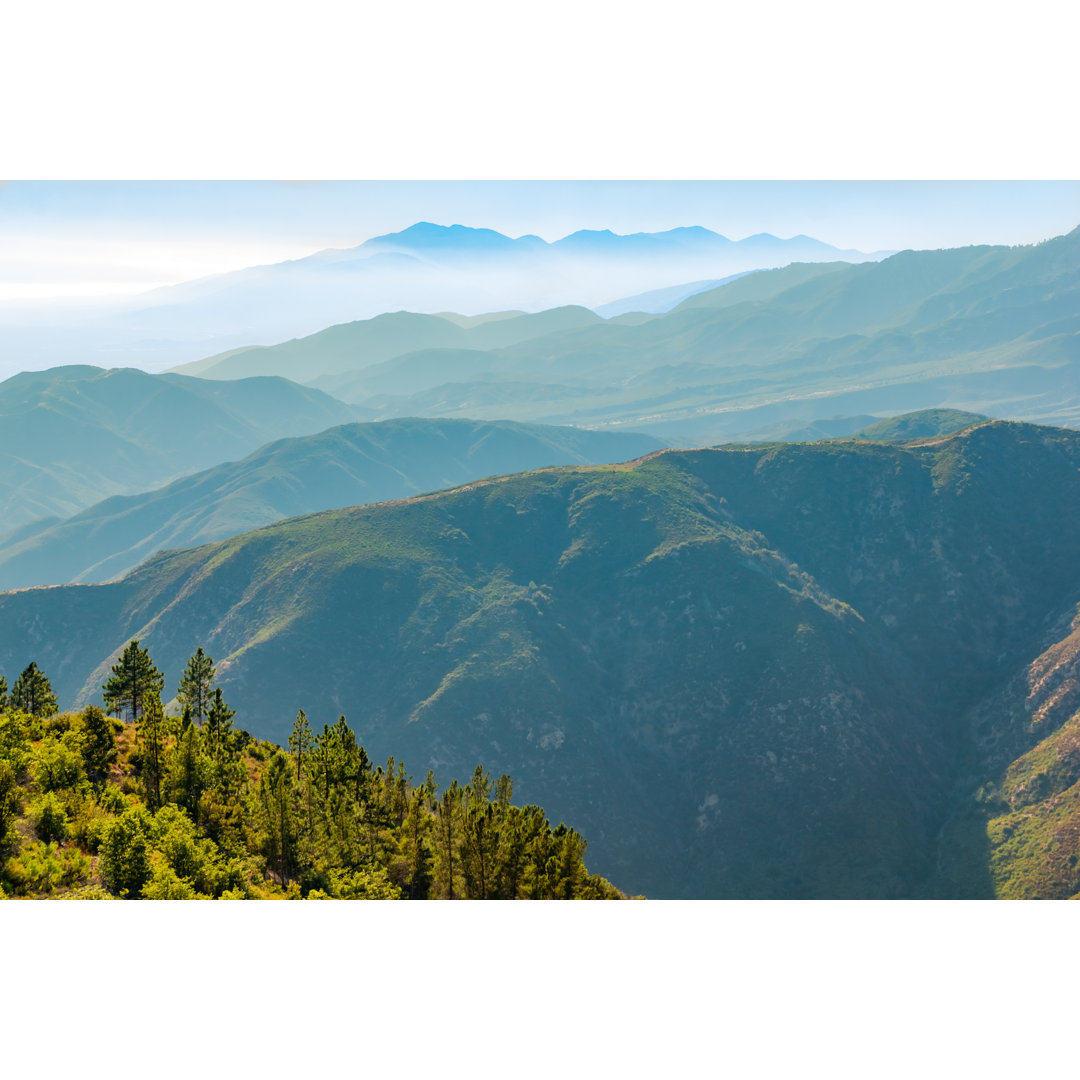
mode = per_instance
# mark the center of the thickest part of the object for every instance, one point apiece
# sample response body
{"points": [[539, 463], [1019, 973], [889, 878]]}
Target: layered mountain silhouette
{"points": [[802, 670], [71, 436], [426, 268], [343, 466], [990, 330]]}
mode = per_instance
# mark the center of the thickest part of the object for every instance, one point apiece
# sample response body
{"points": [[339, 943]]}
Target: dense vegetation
{"points": [[178, 807]]}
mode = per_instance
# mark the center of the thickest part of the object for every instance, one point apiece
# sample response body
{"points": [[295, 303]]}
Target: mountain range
{"points": [[985, 329], [426, 268], [342, 466], [72, 436], [839, 669]]}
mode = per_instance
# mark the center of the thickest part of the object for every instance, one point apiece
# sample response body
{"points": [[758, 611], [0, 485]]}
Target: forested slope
{"points": [[744, 671]]}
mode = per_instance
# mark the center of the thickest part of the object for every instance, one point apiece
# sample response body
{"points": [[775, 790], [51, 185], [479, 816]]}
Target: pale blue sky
{"points": [[84, 238]]}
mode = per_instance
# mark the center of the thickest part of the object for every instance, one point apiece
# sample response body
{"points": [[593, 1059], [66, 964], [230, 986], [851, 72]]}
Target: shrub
{"points": [[43, 868], [165, 885], [56, 765], [125, 853], [49, 818]]}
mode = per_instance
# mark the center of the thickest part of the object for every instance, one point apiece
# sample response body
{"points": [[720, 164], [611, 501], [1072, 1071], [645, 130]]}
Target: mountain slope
{"points": [[986, 330], [354, 346], [72, 436], [744, 671], [343, 466]]}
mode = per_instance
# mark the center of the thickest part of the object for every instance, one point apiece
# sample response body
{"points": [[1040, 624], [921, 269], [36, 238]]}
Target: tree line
{"points": [[136, 801]]}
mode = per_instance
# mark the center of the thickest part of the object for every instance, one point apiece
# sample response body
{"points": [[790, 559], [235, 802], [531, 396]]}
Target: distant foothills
{"points": [[770, 591]]}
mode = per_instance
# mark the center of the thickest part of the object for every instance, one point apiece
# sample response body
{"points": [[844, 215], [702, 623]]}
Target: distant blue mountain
{"points": [[425, 268]]}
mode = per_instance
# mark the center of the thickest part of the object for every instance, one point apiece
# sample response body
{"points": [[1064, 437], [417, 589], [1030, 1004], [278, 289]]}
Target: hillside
{"points": [[188, 807], [988, 330], [72, 436], [343, 466], [922, 424], [742, 672], [353, 346]]}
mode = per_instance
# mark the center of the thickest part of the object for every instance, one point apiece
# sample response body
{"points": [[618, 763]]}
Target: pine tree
{"points": [[218, 725], [196, 684], [3, 693], [33, 694], [151, 731], [300, 740], [134, 679], [98, 741]]}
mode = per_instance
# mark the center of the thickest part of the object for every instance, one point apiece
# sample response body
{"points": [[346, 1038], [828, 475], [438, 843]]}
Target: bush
{"points": [[57, 724], [165, 885], [112, 799], [49, 818], [43, 868], [125, 853], [89, 825], [56, 765]]}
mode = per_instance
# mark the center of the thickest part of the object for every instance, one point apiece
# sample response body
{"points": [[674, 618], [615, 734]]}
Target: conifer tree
{"points": [[98, 741], [134, 679], [151, 732], [218, 724], [32, 693], [3, 693], [196, 684], [300, 740]]}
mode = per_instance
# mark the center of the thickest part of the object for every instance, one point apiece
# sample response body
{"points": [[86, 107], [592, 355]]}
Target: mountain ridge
{"points": [[746, 670]]}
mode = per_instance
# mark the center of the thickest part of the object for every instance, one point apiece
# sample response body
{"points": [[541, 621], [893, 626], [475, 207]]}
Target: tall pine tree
{"points": [[32, 692], [3, 693], [134, 679], [196, 684]]}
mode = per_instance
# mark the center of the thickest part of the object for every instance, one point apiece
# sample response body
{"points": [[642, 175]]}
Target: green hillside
{"points": [[72, 436], [189, 807], [991, 330], [759, 671], [343, 466], [922, 424], [349, 347]]}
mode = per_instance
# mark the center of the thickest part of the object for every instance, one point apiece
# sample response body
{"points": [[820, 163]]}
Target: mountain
{"points": [[352, 347], [343, 466], [426, 268], [658, 301], [72, 436], [990, 330], [768, 671], [923, 424]]}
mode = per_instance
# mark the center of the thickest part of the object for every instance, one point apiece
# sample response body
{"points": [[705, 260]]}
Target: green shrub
{"points": [[112, 799], [43, 868], [55, 765], [164, 884], [49, 818], [124, 853]]}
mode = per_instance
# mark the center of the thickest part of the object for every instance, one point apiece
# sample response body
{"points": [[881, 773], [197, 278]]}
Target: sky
{"points": [[98, 238]]}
